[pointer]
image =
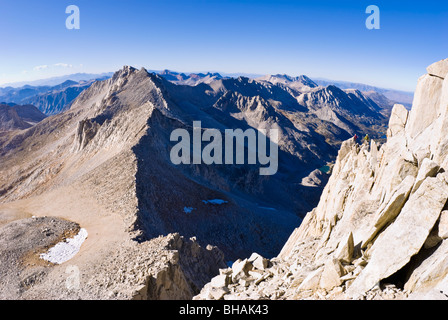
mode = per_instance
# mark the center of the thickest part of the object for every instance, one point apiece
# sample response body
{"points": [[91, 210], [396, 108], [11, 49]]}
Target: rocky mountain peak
{"points": [[307, 81], [301, 81], [123, 73], [333, 90]]}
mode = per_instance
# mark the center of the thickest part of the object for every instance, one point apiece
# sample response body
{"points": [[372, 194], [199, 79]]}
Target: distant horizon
{"points": [[324, 39], [225, 74]]}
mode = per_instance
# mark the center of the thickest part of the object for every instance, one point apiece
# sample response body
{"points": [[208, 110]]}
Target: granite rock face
{"points": [[393, 204], [380, 228]]}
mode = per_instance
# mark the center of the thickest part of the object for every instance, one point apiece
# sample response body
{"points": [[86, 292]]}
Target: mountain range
{"points": [[380, 229], [397, 96], [125, 121], [54, 95], [103, 162], [48, 99], [54, 81]]}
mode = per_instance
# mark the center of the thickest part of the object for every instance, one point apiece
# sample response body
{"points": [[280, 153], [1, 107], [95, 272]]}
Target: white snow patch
{"points": [[64, 251], [188, 209]]}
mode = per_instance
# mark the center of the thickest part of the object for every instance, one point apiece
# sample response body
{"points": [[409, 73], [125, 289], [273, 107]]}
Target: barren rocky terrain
{"points": [[152, 226]]}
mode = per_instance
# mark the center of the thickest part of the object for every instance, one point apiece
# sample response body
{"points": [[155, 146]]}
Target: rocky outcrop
{"points": [[391, 205], [169, 267], [438, 69], [379, 230], [405, 237], [85, 132], [239, 281]]}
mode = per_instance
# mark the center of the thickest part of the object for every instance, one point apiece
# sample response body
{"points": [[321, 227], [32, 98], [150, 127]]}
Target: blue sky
{"points": [[318, 38]]}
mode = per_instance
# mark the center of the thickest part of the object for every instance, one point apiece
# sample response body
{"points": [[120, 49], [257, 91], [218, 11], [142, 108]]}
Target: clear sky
{"points": [[322, 38]]}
